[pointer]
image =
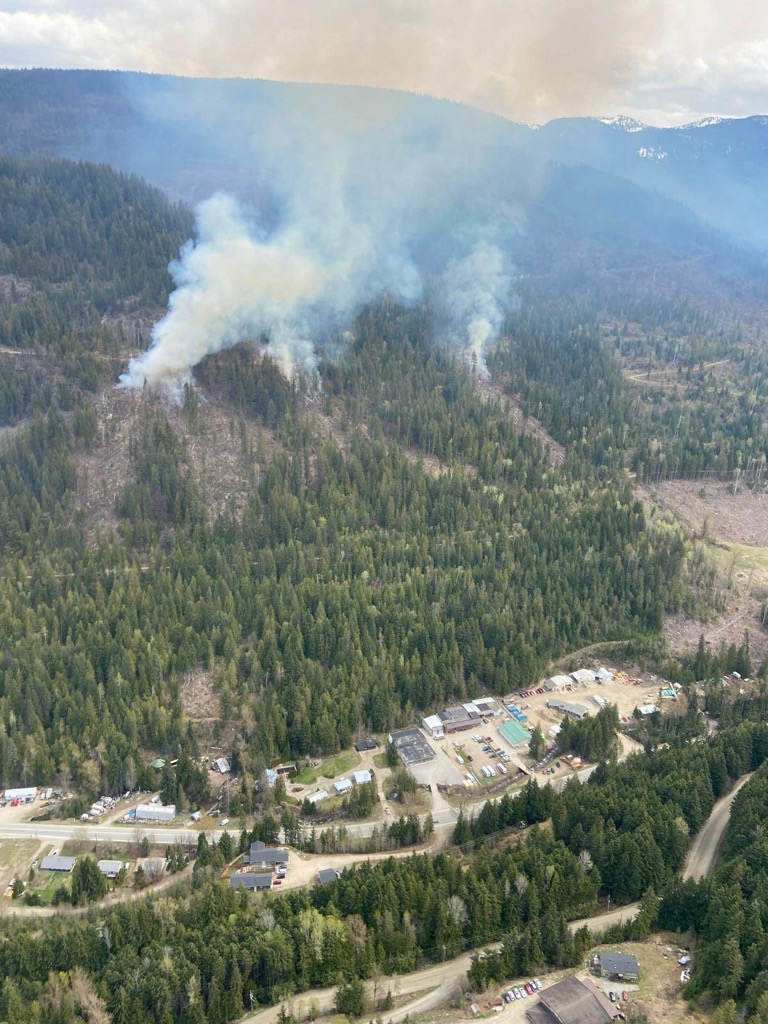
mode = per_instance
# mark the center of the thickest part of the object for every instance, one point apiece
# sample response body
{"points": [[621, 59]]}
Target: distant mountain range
{"points": [[194, 136]]}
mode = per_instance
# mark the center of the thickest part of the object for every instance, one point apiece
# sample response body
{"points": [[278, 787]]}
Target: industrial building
{"points": [[24, 796], [155, 812], [621, 966], [250, 880], [567, 707], [55, 863], [262, 856], [111, 868], [583, 675], [460, 717], [555, 684], [412, 746], [514, 733], [572, 1001]]}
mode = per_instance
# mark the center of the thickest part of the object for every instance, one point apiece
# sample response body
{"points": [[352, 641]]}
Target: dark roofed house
{"points": [[617, 965], [572, 1001], [54, 863], [261, 855], [367, 743], [327, 875], [250, 880]]}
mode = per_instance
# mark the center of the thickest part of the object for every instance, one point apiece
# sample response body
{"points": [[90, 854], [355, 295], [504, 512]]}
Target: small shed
{"points": [[343, 785], [221, 764], [327, 875]]}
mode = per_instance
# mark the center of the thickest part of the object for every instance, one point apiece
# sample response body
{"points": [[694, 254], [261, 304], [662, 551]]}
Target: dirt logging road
{"points": [[702, 853]]}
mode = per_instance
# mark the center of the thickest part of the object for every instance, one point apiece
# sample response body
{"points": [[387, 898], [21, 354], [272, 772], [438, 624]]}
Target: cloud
{"points": [[525, 59]]}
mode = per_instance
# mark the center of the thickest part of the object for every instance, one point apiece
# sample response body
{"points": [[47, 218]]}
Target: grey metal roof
{"points": [[54, 863], [618, 963], [573, 1001], [110, 867], [260, 854], [327, 875], [250, 880]]}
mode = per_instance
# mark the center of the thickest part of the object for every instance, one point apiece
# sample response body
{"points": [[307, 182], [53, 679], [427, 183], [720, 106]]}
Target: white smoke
{"points": [[231, 286], [360, 200], [477, 292]]}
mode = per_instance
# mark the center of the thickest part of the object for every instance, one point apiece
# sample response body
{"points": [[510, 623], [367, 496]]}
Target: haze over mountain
{"points": [[193, 136]]}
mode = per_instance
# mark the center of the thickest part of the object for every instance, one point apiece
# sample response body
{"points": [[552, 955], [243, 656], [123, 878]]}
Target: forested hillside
{"points": [[350, 584]]}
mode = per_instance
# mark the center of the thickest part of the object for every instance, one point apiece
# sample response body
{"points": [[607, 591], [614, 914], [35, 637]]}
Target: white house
{"points": [[360, 778], [343, 785]]}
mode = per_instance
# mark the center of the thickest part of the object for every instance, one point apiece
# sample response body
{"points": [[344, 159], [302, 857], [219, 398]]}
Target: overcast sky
{"points": [[662, 61]]}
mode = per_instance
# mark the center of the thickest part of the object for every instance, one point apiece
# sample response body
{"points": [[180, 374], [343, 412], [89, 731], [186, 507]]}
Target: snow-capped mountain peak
{"points": [[627, 124]]}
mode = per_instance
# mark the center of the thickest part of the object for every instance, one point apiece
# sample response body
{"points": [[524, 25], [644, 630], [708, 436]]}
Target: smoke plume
{"points": [[346, 196]]}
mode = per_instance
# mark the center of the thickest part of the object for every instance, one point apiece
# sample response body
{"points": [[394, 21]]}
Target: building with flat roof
{"points": [[25, 795], [617, 965], [433, 726], [250, 880], [572, 1001], [567, 707], [459, 717], [155, 812], [55, 863], [411, 745]]}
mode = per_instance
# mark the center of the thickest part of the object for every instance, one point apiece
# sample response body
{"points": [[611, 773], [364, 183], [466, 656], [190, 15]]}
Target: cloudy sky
{"points": [[663, 61]]}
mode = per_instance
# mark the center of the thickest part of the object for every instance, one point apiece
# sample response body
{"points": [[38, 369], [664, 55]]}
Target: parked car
{"points": [[612, 996], [537, 984]]}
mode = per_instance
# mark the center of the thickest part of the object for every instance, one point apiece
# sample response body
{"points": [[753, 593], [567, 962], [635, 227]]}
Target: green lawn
{"points": [[380, 760], [330, 768], [46, 883]]}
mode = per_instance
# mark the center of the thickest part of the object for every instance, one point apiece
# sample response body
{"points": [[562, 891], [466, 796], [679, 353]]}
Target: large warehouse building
{"points": [[573, 1001], [155, 812]]}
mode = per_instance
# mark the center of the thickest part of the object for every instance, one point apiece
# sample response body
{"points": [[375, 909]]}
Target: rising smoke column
{"points": [[476, 290], [231, 285]]}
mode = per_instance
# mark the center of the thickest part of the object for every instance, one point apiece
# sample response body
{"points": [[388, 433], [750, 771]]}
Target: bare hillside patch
{"points": [[717, 509], [493, 391]]}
